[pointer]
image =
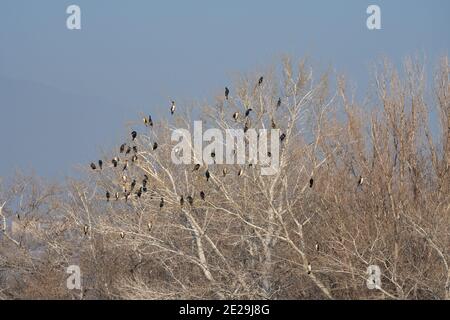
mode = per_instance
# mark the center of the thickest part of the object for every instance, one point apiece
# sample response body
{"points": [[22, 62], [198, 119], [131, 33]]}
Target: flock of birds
{"points": [[128, 150]]}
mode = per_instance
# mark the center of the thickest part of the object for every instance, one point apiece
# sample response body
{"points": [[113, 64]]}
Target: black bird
{"points": [[122, 147], [135, 150], [235, 116], [311, 182], [108, 196], [128, 150], [161, 204], [196, 167], [115, 162], [260, 81], [282, 137], [93, 166], [133, 135], [86, 229], [139, 193], [150, 121], [279, 103], [133, 184], [145, 177], [269, 154], [190, 200], [100, 164], [144, 183], [181, 201], [247, 112], [172, 108], [207, 175], [227, 92], [213, 155], [155, 146], [202, 195]]}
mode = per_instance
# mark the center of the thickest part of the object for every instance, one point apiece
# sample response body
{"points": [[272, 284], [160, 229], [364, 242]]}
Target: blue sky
{"points": [[66, 95]]}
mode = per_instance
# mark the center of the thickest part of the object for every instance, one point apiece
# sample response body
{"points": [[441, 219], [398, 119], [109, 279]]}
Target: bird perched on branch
{"points": [[161, 203], [108, 196], [100, 164], [128, 151], [311, 182], [236, 116], [133, 135], [207, 175], [93, 166], [86, 229], [279, 103], [172, 108], [202, 195], [196, 167], [227, 92], [247, 112], [135, 149], [115, 161], [155, 146], [282, 137], [122, 147], [260, 81]]}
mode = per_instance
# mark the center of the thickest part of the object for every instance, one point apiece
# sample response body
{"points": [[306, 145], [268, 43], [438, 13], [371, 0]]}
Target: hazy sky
{"points": [[66, 95]]}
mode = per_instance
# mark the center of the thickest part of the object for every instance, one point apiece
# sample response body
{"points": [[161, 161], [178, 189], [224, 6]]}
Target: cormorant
{"points": [[172, 108], [155, 146], [122, 147], [236, 116], [279, 103], [207, 175], [202, 195], [108, 196], [161, 204], [133, 184], [311, 182], [282, 137], [100, 164], [93, 166], [196, 167], [247, 112], [227, 92], [361, 180], [133, 135], [135, 149], [260, 81]]}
